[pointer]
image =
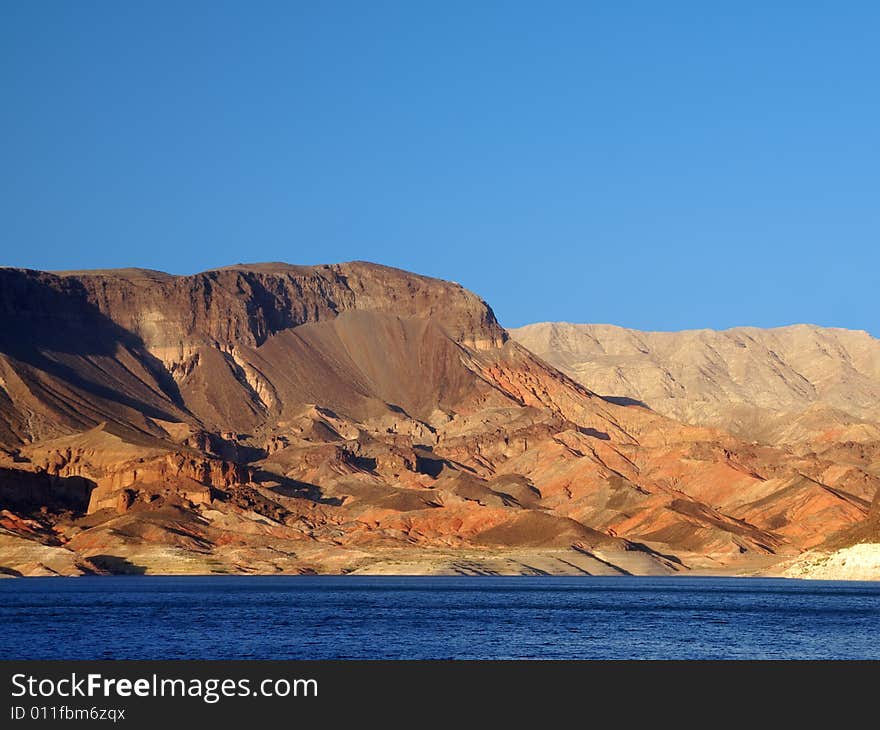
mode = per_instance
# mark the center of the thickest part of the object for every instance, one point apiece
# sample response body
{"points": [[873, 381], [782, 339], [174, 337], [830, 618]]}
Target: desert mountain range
{"points": [[782, 385], [356, 418]]}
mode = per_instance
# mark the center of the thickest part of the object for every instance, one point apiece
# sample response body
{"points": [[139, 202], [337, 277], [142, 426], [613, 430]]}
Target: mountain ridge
{"points": [[358, 418], [705, 376]]}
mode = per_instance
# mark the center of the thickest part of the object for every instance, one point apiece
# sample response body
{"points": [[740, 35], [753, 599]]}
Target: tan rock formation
{"points": [[777, 385]]}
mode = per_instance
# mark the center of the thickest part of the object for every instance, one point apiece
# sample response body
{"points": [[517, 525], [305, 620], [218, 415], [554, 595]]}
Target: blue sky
{"points": [[653, 165]]}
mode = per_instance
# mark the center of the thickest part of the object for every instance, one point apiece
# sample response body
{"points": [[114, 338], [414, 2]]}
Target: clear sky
{"points": [[660, 165]]}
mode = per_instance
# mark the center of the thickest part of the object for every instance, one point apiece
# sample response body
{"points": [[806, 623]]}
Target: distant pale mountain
{"points": [[786, 384]]}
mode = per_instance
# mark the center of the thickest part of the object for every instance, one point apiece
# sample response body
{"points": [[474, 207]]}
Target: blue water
{"points": [[304, 617]]}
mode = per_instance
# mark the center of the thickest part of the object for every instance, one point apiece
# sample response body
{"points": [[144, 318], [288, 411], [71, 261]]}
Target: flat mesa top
{"points": [[267, 267], [134, 272], [130, 273]]}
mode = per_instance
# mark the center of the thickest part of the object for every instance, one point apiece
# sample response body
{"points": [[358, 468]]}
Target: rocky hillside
{"points": [[218, 349], [356, 418], [787, 384]]}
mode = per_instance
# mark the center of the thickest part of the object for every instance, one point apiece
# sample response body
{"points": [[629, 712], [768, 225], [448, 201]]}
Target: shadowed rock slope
{"points": [[357, 418]]}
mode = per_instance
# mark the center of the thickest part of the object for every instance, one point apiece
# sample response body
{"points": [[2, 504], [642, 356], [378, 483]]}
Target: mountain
{"points": [[357, 418], [787, 384]]}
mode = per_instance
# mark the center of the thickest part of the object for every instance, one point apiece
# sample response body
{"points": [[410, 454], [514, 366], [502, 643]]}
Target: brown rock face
{"points": [[215, 348], [358, 418]]}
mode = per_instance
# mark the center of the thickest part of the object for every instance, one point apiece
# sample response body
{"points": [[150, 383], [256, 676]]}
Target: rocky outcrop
{"points": [[191, 477]]}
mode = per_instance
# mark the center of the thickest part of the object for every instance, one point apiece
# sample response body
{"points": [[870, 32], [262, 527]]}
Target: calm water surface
{"points": [[305, 617]]}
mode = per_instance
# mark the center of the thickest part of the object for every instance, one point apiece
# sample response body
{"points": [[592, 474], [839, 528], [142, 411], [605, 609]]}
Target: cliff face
{"points": [[353, 417], [240, 304], [133, 343]]}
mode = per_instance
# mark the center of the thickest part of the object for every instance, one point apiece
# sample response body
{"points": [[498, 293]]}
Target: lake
{"points": [[348, 617]]}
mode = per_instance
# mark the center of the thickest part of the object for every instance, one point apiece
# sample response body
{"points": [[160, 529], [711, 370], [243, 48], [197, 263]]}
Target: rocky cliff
{"points": [[353, 417]]}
